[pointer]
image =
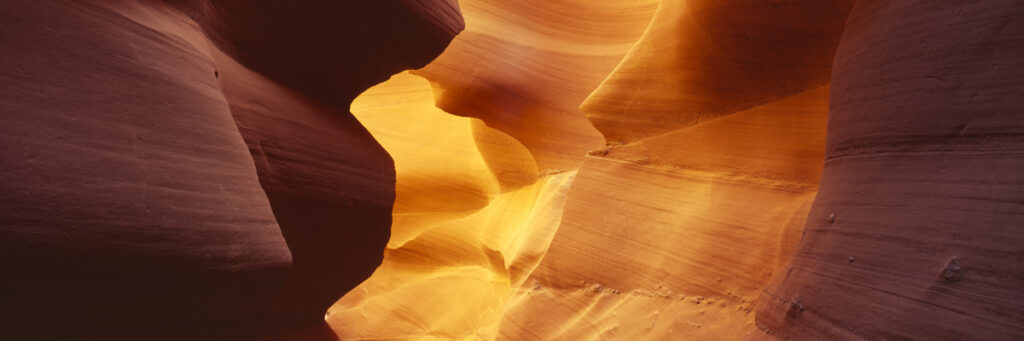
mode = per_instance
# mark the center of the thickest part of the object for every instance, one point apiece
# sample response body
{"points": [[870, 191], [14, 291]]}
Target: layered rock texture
{"points": [[189, 169], [683, 224], [916, 230], [512, 170]]}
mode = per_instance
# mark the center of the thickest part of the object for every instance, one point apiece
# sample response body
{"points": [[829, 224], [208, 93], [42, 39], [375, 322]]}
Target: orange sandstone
{"points": [[562, 170]]}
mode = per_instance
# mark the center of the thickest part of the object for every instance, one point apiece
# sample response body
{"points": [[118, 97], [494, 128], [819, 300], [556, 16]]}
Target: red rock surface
{"points": [[923, 177], [156, 187], [330, 50], [564, 170]]}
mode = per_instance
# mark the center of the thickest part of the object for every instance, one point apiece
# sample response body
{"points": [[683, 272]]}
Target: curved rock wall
{"points": [[523, 68], [480, 196], [915, 233], [670, 236], [714, 153], [574, 169], [703, 59], [189, 170], [129, 199]]}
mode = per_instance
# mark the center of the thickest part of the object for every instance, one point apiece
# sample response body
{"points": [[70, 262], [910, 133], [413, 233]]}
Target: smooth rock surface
{"points": [[923, 178], [524, 67], [157, 187], [564, 170]]}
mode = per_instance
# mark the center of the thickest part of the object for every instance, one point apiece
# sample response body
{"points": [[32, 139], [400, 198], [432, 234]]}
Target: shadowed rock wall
{"points": [[192, 171], [923, 178]]}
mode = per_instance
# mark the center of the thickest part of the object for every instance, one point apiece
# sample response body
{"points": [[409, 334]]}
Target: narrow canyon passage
{"points": [[511, 170], [517, 219]]}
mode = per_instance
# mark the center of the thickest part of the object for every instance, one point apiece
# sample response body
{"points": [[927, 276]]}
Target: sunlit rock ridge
{"points": [[512, 170]]}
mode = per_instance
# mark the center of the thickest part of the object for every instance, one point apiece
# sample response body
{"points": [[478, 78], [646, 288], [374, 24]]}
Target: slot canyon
{"points": [[512, 170]]}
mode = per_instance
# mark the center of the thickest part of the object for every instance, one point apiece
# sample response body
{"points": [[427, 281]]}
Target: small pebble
{"points": [[953, 272]]}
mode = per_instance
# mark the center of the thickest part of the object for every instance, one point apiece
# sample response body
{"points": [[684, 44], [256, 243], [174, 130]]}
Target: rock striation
{"points": [[511, 170], [683, 224], [189, 169], [915, 231]]}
